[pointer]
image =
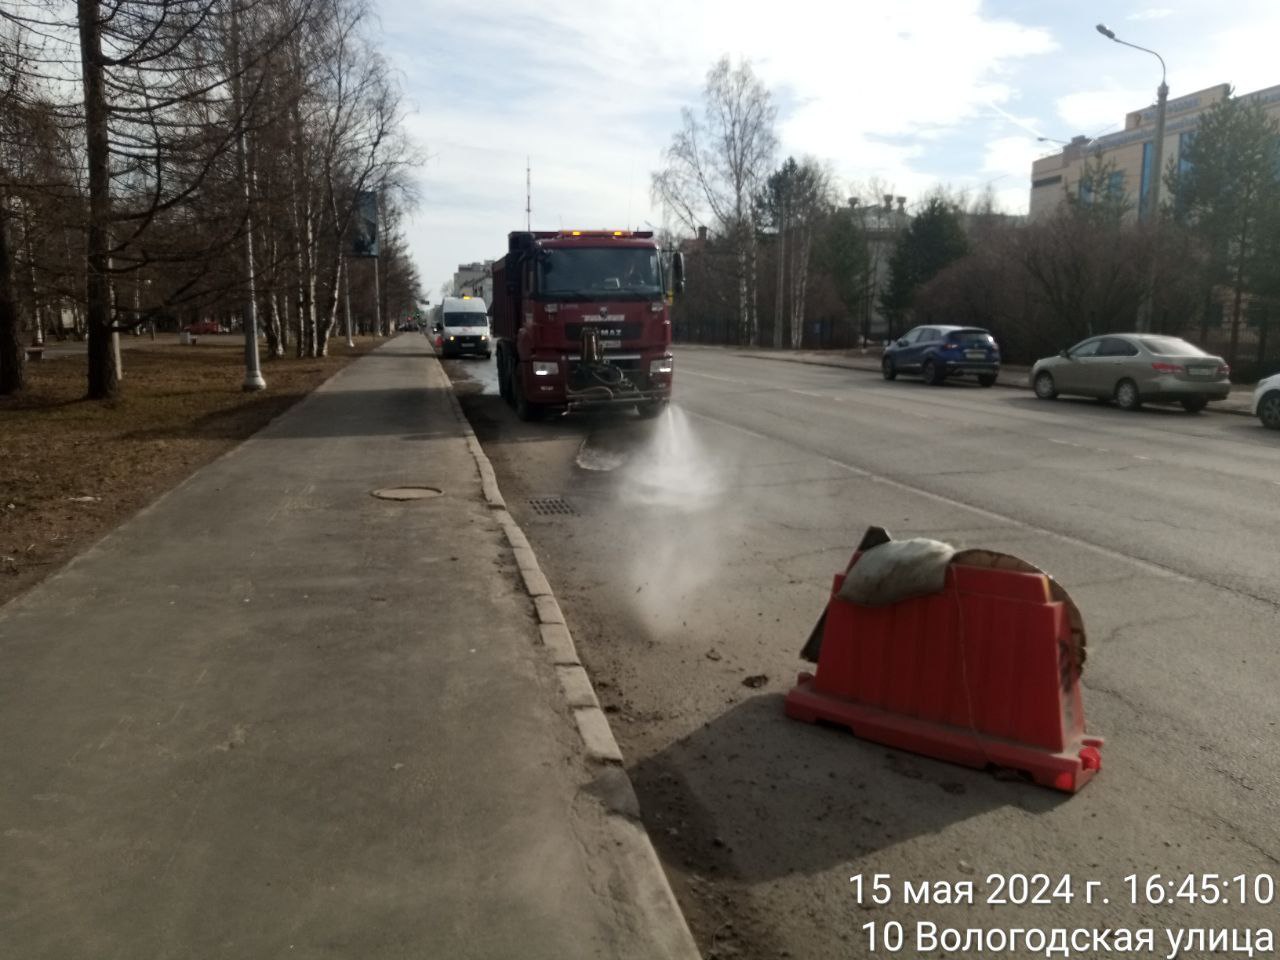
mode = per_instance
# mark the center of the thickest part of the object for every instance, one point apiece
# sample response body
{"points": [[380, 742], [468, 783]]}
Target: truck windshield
{"points": [[466, 320], [586, 274]]}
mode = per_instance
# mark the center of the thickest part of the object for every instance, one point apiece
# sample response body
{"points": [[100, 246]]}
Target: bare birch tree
{"points": [[716, 164]]}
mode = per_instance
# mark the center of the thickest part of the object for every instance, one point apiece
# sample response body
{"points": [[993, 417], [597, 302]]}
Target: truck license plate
{"points": [[610, 344]]}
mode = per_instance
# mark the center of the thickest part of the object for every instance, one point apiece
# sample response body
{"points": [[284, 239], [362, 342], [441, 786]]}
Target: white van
{"points": [[464, 327]]}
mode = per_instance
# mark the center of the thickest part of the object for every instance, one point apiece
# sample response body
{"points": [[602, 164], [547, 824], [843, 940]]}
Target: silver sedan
{"points": [[1133, 368]]}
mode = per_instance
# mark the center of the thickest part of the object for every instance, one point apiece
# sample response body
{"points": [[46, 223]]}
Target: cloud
{"points": [[1151, 13], [1091, 111], [594, 94], [1011, 156]]}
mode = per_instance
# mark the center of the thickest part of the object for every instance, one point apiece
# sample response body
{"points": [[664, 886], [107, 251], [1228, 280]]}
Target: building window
{"points": [[1115, 185], [1184, 141], [1046, 181], [1085, 191]]}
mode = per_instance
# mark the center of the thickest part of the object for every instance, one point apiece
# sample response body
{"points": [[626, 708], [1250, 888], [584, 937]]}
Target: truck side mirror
{"points": [[677, 272]]}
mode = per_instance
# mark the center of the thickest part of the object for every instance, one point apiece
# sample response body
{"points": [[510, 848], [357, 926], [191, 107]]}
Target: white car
{"points": [[1266, 402]]}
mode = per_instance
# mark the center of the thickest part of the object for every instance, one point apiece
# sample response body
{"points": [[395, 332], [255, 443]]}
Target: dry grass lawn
{"points": [[71, 469]]}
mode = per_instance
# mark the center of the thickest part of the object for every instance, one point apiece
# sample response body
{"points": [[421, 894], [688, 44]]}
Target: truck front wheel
{"points": [[525, 410], [504, 377]]}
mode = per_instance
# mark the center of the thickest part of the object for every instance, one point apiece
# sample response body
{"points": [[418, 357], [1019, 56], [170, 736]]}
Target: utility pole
{"points": [[528, 193], [1151, 210]]}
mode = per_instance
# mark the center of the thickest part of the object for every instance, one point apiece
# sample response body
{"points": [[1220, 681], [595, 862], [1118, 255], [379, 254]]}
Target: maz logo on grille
{"points": [[627, 331]]}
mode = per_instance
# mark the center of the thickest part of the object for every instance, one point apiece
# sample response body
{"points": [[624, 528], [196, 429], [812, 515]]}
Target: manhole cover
{"points": [[552, 506], [407, 493]]}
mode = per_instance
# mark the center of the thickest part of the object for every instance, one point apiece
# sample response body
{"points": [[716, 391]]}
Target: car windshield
{"points": [[1171, 347], [466, 320], [618, 272]]}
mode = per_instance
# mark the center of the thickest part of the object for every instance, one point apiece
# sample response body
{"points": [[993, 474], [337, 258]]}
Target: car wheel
{"points": [[1269, 410], [1127, 397], [1194, 404], [987, 379], [888, 368], [1044, 386], [932, 373]]}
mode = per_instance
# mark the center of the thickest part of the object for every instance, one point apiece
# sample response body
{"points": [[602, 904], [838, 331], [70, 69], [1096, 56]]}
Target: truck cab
{"points": [[581, 320], [464, 327]]}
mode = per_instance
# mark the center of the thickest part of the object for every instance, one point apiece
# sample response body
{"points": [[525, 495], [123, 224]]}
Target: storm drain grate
{"points": [[552, 506]]}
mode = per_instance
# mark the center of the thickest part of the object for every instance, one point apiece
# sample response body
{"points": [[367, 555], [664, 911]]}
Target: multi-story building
{"points": [[1130, 150], [881, 223], [474, 280]]}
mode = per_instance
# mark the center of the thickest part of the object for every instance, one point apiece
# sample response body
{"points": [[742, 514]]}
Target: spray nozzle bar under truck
{"points": [[581, 319]]}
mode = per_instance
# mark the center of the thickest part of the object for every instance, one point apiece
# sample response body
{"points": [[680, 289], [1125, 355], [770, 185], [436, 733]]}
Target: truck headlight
{"points": [[662, 365], [542, 368], [483, 337]]}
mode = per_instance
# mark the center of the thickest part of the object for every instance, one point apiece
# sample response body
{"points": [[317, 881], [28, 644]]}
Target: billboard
{"points": [[364, 225]]}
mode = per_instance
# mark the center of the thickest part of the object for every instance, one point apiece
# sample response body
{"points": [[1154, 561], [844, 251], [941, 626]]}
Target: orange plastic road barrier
{"points": [[985, 673]]}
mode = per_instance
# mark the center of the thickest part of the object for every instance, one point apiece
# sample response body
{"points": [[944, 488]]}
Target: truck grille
{"points": [[608, 331]]}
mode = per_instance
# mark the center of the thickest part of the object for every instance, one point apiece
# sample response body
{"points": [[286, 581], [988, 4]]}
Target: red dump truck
{"points": [[581, 319]]}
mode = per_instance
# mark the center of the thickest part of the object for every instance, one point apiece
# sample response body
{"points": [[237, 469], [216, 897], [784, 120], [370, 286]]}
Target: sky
{"points": [[902, 94]]}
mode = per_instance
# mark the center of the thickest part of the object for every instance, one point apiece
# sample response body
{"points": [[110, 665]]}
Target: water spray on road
{"points": [[676, 484]]}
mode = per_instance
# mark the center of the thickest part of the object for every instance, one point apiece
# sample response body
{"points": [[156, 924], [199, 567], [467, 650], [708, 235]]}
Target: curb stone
{"points": [[556, 638], [548, 609], [599, 743]]}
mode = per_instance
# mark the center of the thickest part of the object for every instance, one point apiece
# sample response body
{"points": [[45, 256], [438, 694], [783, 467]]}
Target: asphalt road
{"points": [[699, 552]]}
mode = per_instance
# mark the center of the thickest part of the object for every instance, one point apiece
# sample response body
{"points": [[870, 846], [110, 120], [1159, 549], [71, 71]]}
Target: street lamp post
{"points": [[1152, 209]]}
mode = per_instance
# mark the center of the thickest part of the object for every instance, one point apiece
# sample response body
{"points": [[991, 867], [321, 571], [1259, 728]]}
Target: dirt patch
{"points": [[71, 469]]}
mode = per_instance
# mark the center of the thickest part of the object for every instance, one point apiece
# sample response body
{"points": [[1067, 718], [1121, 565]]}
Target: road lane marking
{"points": [[1147, 565], [711, 376]]}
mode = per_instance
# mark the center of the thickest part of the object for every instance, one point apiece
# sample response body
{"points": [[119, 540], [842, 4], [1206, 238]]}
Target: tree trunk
{"points": [[796, 313], [37, 329], [753, 285], [800, 283], [379, 319], [1204, 317], [779, 297], [329, 313], [12, 357], [1264, 324], [280, 307], [299, 286], [102, 373], [1236, 307], [304, 233]]}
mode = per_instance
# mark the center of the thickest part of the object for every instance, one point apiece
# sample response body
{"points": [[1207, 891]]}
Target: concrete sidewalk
{"points": [[1240, 402], [274, 716]]}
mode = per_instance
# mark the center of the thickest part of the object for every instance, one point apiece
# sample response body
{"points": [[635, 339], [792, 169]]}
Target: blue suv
{"points": [[940, 352]]}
